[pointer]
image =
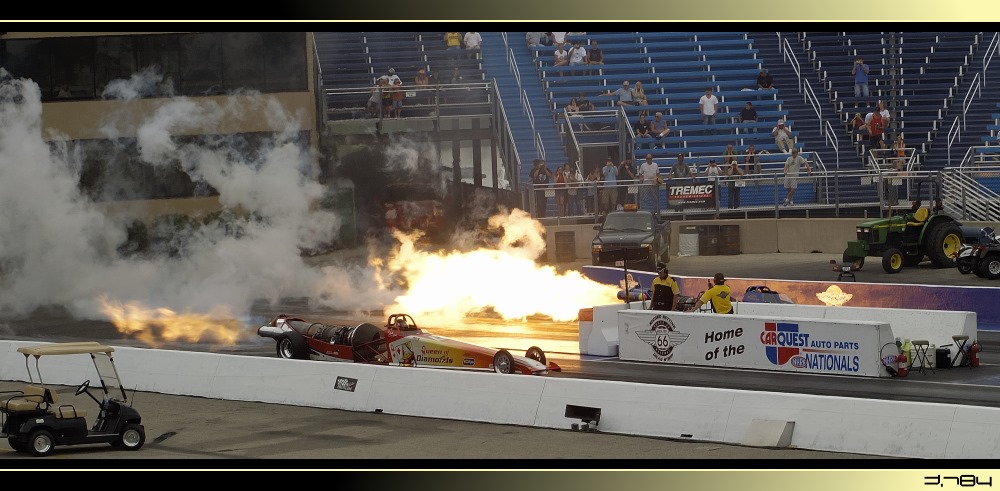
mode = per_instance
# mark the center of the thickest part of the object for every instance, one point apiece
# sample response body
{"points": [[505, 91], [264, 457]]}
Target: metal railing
{"points": [[512, 158], [975, 90], [968, 195], [954, 134], [419, 102], [990, 51]]}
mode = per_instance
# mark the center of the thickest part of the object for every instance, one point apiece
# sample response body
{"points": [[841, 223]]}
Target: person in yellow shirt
{"points": [[665, 290], [719, 295]]}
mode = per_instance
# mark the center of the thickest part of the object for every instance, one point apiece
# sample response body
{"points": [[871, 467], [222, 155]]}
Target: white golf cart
{"points": [[35, 421]]}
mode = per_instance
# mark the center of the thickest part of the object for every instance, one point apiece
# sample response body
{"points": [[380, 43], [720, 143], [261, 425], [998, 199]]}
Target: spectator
{"points": [[624, 95], [625, 173], [375, 100], [473, 43], [681, 170], [728, 155], [535, 39], [559, 38], [875, 130], [782, 136], [765, 80], [649, 180], [562, 193], [899, 152], [596, 56], [751, 162], [453, 42], [713, 171], [423, 83], [735, 173], [719, 295], [639, 96], [858, 127], [577, 196], [793, 165], [585, 106], [642, 134], [592, 180], [456, 76], [609, 192], [749, 115], [577, 55], [560, 57], [397, 98], [659, 129], [572, 109], [391, 77], [541, 176], [896, 165], [709, 105], [884, 112], [860, 72]]}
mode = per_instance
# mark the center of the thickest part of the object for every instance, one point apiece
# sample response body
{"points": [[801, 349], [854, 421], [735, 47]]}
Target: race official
{"points": [[665, 290], [719, 295]]}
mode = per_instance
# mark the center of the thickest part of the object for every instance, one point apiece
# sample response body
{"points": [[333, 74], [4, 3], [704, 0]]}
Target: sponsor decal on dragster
{"points": [[662, 336], [783, 343], [413, 352]]}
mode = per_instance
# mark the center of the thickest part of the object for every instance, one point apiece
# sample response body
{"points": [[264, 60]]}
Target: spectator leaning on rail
{"points": [[649, 181], [719, 295]]}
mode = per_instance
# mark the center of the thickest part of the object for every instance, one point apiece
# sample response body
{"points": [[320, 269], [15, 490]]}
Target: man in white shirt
{"points": [[649, 174], [782, 136], [558, 38], [793, 166], [709, 106], [472, 41], [577, 54]]}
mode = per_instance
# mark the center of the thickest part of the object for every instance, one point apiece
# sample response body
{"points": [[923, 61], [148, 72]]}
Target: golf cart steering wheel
{"points": [[83, 387]]}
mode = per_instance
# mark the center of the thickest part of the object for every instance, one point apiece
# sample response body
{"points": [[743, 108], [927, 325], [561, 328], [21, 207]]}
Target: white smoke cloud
{"points": [[58, 248]]}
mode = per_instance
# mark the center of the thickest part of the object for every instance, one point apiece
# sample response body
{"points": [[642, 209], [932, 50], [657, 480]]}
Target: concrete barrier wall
{"points": [[905, 429], [978, 299], [935, 326], [788, 343]]}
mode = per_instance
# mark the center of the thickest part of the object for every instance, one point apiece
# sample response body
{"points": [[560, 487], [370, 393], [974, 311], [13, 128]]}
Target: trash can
{"points": [[729, 240], [688, 241], [566, 246], [708, 240]]}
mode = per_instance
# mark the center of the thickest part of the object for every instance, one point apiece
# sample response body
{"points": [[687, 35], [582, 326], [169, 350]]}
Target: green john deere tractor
{"points": [[905, 239]]}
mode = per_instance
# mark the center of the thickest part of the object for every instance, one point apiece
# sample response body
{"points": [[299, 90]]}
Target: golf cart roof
{"points": [[65, 349]]}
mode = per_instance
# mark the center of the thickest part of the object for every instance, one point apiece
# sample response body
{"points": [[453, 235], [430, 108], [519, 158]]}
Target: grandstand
{"points": [[931, 82]]}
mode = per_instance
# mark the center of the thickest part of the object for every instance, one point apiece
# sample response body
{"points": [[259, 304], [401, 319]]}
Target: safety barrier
{"points": [[788, 343], [893, 428]]}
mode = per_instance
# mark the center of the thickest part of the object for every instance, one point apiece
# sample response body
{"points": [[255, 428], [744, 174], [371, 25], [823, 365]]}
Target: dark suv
{"points": [[635, 236]]}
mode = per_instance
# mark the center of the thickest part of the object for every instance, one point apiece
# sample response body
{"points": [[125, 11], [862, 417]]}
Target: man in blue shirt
{"points": [[609, 193], [860, 72]]}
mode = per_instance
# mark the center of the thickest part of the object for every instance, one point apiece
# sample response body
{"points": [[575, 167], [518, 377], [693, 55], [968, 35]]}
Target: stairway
{"points": [[799, 111], [497, 68], [979, 116]]}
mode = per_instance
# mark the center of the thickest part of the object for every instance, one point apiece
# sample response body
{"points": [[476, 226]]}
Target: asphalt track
{"points": [[196, 428]]}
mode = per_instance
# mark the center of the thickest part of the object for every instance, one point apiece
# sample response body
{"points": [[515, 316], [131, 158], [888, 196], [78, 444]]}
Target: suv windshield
{"points": [[628, 223]]}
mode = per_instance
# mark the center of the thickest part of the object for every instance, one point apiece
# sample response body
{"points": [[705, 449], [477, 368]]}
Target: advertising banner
{"points": [[766, 343], [692, 194]]}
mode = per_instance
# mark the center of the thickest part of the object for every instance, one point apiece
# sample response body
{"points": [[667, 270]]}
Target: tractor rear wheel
{"points": [[943, 243]]}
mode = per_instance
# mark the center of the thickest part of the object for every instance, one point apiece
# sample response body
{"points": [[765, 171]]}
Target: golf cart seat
{"points": [[31, 399], [64, 411]]}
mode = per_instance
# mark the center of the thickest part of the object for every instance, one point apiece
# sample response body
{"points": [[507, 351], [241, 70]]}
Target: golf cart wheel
{"points": [[292, 347], [535, 353], [16, 445], [943, 244], [503, 362], [41, 443], [964, 267], [131, 438], [856, 262], [892, 261], [990, 266]]}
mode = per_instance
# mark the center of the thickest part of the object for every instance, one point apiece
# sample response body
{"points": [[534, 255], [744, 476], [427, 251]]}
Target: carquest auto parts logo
{"points": [[783, 343]]}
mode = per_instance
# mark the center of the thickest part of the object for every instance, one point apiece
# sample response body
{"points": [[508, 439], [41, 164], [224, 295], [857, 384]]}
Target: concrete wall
{"points": [[842, 424]]}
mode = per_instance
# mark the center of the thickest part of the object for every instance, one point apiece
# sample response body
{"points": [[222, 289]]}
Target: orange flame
{"points": [[154, 326], [445, 286]]}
